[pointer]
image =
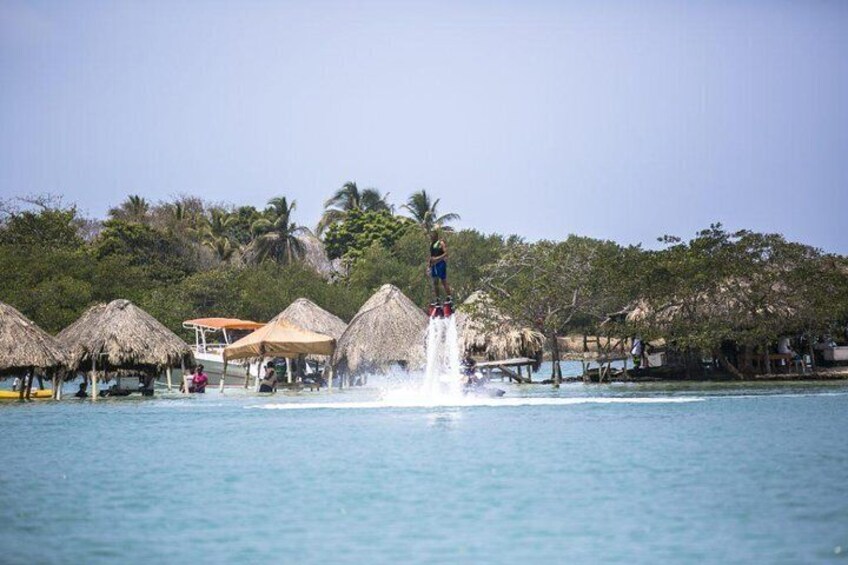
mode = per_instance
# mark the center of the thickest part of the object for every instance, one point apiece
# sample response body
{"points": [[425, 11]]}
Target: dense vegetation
{"points": [[188, 258]]}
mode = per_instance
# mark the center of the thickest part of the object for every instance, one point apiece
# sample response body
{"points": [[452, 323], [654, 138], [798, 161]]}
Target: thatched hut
{"points": [[591, 348], [485, 332], [388, 330], [305, 314], [121, 336], [26, 347]]}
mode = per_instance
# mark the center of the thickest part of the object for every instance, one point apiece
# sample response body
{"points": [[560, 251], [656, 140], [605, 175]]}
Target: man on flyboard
{"points": [[439, 272]]}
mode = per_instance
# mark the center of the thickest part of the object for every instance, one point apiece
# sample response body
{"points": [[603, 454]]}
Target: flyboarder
{"points": [[439, 271]]}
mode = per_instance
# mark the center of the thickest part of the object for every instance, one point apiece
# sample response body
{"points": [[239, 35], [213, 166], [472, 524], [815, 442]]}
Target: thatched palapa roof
{"points": [[315, 256], [24, 345], [120, 335], [593, 348], [485, 331], [307, 315], [389, 329]]}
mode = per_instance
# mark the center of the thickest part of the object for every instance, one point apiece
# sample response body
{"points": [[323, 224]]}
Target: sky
{"points": [[617, 120]]}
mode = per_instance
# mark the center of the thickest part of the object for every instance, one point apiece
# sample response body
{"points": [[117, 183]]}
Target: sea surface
{"points": [[621, 473]]}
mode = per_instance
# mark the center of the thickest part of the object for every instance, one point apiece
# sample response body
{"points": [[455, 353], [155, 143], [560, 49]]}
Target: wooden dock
{"points": [[510, 369]]}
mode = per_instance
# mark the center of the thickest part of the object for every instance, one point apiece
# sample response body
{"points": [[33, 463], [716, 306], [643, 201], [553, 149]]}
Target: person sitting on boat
{"points": [[199, 380], [269, 381], [439, 266], [81, 393], [17, 384]]}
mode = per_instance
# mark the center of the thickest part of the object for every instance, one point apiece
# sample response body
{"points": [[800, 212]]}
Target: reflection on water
{"points": [[443, 420]]}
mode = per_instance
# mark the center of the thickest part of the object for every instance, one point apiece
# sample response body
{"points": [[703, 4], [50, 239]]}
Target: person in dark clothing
{"points": [[269, 381], [81, 393], [438, 265]]}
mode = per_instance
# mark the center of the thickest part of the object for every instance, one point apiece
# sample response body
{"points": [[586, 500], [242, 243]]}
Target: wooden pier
{"points": [[509, 368]]}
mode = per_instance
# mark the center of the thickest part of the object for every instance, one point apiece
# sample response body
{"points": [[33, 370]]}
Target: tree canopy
{"points": [[187, 258]]}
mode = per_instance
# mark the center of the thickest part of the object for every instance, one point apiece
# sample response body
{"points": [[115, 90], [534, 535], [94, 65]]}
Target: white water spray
{"points": [[443, 374]]}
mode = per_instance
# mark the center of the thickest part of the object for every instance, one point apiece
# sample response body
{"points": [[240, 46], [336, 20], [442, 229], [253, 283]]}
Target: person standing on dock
{"points": [[438, 265]]}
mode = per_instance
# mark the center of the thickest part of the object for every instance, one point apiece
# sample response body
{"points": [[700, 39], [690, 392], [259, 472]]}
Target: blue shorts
{"points": [[439, 270]]}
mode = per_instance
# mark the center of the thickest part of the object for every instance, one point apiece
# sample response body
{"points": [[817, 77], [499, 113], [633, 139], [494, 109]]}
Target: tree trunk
{"points": [[725, 364], [556, 369], [812, 355]]}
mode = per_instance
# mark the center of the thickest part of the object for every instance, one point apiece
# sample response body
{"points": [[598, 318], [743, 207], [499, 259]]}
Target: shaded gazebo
{"points": [[388, 330], [278, 338], [24, 347], [120, 336]]}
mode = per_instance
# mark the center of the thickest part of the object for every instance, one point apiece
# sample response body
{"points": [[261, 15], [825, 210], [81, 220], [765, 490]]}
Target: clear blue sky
{"points": [[622, 120]]}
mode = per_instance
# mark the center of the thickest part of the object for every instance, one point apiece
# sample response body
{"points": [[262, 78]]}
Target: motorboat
{"points": [[211, 336]]}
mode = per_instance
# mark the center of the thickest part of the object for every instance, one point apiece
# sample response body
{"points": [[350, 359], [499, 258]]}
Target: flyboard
{"points": [[445, 372], [440, 309]]}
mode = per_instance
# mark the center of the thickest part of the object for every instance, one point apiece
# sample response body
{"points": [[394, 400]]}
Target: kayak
{"points": [[12, 395]]}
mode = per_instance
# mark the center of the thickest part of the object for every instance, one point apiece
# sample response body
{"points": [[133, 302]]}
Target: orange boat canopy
{"points": [[223, 324]]}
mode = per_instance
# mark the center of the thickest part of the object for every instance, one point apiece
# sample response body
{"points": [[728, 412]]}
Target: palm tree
{"points": [[349, 198], [222, 247], [275, 235], [216, 233], [134, 209], [425, 212]]}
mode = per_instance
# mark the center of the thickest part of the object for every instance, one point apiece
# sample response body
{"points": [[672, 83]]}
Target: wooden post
{"points": [[168, 376], [94, 376], [29, 382], [183, 375], [767, 363], [54, 382], [224, 377], [258, 375], [328, 375], [288, 370], [812, 354]]}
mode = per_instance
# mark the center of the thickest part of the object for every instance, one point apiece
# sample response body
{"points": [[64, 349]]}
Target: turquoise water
{"points": [[619, 473]]}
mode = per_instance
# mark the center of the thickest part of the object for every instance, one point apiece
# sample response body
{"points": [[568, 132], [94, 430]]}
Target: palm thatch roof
{"points": [[120, 335], [315, 256], [485, 331], [24, 345], [307, 315], [389, 329], [593, 348], [735, 301]]}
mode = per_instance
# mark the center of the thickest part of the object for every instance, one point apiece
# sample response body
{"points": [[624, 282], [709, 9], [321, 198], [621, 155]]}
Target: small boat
{"points": [[211, 336], [14, 395]]}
